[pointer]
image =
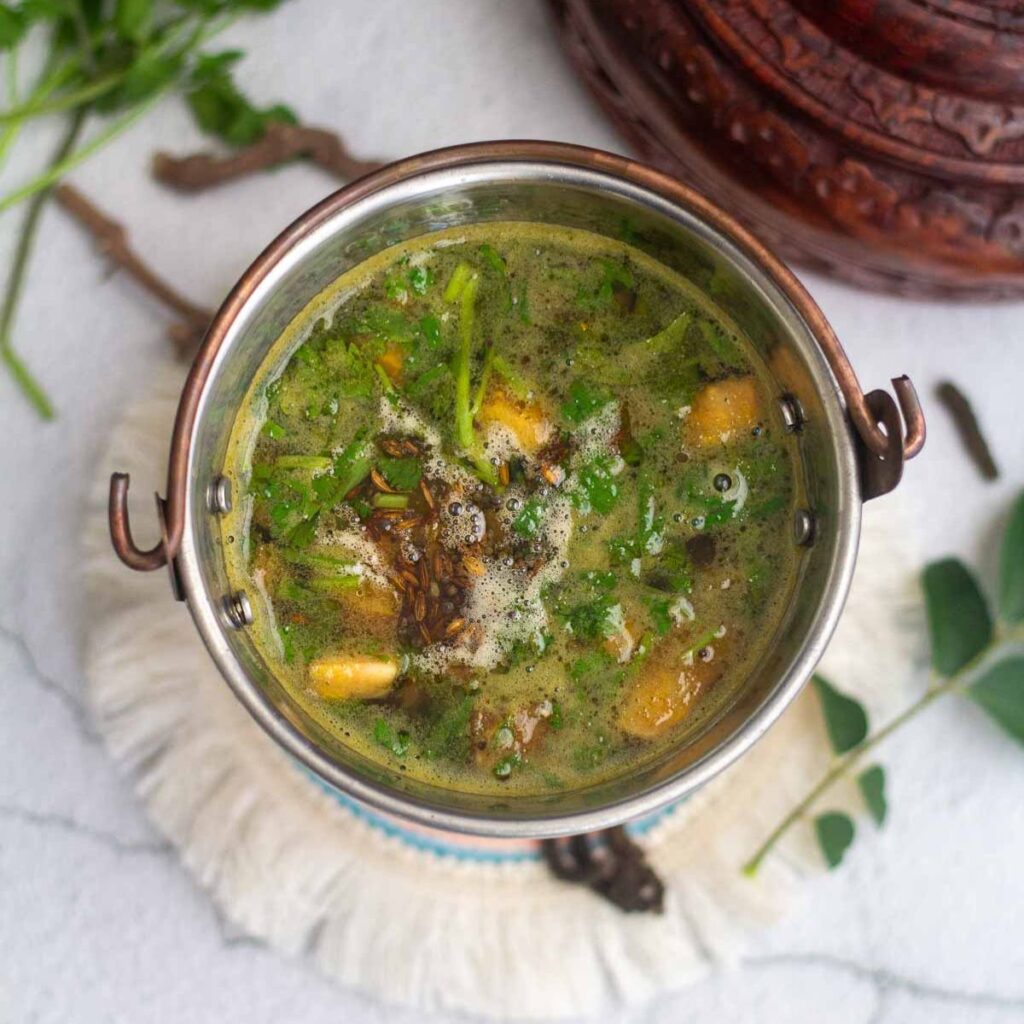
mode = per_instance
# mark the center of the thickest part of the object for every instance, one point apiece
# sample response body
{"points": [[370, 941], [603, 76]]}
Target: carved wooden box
{"points": [[881, 141]]}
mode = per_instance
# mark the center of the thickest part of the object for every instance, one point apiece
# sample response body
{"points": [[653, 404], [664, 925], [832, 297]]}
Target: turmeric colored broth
{"points": [[517, 509]]}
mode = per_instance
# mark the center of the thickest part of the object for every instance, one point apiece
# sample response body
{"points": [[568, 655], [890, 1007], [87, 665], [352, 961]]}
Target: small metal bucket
{"points": [[853, 447]]}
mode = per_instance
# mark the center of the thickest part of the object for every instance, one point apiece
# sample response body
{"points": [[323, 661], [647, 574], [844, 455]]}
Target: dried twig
{"points": [[112, 239], [968, 428], [280, 142]]}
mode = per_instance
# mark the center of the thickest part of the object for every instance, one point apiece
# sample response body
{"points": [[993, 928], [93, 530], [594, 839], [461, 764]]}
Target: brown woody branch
{"points": [[280, 143], [112, 239], [968, 428]]}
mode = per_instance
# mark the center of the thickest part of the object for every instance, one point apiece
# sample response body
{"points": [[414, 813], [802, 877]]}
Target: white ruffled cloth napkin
{"points": [[427, 919]]}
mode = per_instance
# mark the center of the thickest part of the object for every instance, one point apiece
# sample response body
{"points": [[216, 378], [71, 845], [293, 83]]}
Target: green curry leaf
{"points": [[1011, 577], [835, 833], [959, 623], [845, 718], [1000, 691], [871, 783]]}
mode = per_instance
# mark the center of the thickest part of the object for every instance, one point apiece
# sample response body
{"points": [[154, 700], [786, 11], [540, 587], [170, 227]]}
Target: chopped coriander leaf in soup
{"points": [[517, 509]]}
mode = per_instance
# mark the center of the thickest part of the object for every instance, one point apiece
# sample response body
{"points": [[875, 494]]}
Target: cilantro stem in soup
{"points": [[516, 511]]}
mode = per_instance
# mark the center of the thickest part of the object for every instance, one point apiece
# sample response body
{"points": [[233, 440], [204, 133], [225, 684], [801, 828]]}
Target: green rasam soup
{"points": [[516, 510]]}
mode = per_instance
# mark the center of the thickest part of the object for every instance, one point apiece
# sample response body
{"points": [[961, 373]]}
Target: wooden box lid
{"points": [[880, 141]]}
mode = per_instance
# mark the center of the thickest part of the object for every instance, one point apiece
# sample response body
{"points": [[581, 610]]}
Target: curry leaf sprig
{"points": [[112, 60], [971, 655]]}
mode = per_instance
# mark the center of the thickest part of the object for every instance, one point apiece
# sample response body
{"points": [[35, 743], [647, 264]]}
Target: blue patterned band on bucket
{"points": [[458, 846]]}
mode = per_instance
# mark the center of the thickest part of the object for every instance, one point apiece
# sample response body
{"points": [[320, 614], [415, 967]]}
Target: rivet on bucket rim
{"points": [[804, 528], [792, 412], [218, 495], [238, 610]]}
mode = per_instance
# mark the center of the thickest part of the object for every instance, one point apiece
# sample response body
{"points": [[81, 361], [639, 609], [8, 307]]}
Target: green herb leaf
{"points": [[660, 614], [845, 718], [596, 488], [420, 279], [402, 474], [959, 623], [1000, 691], [592, 620], [449, 734], [13, 24], [513, 380], [587, 605], [385, 736], [721, 344], [430, 327], [302, 535], [588, 756], [835, 833], [667, 339], [504, 768], [615, 279], [334, 586], [583, 401], [219, 107], [352, 466], [492, 258], [872, 787], [1011, 578], [623, 549], [461, 276], [132, 18], [528, 522]]}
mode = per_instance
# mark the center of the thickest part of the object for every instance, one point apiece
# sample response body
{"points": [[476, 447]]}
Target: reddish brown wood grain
{"points": [[877, 140]]}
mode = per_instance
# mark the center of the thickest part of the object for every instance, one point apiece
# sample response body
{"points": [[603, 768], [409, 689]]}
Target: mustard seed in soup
{"points": [[518, 509]]}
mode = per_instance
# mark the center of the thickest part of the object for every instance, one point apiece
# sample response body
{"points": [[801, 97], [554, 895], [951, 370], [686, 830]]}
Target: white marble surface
{"points": [[98, 921]]}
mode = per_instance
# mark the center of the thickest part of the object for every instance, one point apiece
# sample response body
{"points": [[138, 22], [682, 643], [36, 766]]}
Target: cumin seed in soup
{"points": [[517, 509]]}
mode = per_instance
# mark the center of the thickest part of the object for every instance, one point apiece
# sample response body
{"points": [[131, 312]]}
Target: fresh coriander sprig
{"points": [[113, 59], [971, 655]]}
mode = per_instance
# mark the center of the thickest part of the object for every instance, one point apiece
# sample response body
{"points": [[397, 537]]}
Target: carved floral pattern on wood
{"points": [[845, 166]]}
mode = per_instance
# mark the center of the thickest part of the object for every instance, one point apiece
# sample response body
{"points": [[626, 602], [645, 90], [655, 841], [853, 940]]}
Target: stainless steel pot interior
{"points": [[427, 194]]}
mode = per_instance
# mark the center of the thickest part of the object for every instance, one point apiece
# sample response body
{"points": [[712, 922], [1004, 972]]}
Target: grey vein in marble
{"points": [[885, 980], [63, 823]]}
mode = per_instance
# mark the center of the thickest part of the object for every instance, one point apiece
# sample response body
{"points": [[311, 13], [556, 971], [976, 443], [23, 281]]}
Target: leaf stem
{"points": [[49, 79], [75, 98], [463, 412], [465, 435], [85, 43], [847, 761], [10, 132], [71, 160], [23, 377]]}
